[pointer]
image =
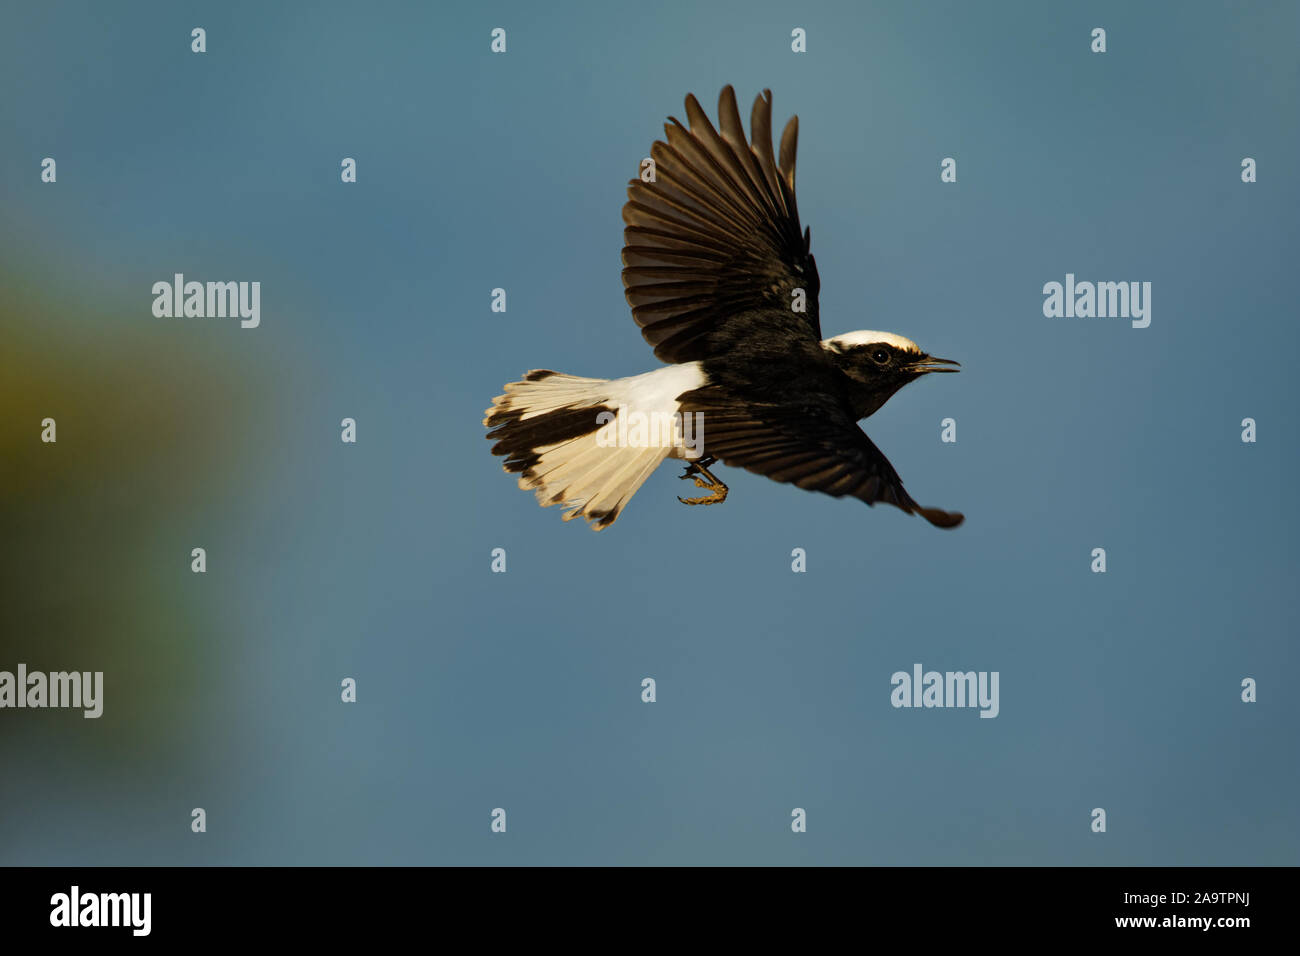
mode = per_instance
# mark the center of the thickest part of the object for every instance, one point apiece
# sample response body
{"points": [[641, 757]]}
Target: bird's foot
{"points": [[719, 495], [703, 478]]}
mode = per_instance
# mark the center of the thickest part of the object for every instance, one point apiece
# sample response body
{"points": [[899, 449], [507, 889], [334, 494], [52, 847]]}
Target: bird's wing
{"points": [[813, 444], [715, 239]]}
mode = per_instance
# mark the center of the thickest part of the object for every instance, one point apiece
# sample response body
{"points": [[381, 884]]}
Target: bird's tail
{"points": [[557, 432]]}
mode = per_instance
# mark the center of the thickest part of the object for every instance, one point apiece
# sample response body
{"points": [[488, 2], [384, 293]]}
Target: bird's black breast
{"points": [[769, 358]]}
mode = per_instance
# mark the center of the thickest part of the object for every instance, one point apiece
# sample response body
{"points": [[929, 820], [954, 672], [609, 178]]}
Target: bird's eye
{"points": [[880, 356]]}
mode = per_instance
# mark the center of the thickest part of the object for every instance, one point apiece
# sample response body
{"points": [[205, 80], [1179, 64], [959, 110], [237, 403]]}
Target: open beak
{"points": [[929, 364]]}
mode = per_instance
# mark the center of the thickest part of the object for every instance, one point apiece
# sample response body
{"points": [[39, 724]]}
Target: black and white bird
{"points": [[722, 283]]}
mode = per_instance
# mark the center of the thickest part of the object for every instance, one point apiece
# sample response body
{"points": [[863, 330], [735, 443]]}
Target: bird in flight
{"points": [[722, 284]]}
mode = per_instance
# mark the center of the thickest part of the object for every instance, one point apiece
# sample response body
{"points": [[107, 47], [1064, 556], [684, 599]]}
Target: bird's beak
{"points": [[929, 364]]}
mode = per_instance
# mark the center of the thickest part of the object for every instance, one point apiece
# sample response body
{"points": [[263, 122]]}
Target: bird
{"points": [[722, 283]]}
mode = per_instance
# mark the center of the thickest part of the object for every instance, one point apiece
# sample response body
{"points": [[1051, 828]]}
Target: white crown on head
{"points": [[868, 337]]}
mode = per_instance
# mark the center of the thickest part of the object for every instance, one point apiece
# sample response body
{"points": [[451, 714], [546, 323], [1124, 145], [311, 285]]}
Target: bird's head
{"points": [[880, 363]]}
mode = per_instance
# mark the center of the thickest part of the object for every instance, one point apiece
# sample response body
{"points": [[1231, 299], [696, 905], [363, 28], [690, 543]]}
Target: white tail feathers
{"points": [[555, 431]]}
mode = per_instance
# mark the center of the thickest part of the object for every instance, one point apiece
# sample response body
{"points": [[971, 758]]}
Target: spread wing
{"points": [[713, 247], [814, 444]]}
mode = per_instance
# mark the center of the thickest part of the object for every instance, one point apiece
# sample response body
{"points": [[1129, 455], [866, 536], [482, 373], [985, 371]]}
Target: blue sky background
{"points": [[522, 690]]}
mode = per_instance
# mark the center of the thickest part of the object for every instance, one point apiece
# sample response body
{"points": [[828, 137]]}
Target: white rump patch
{"points": [[868, 337], [656, 391]]}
